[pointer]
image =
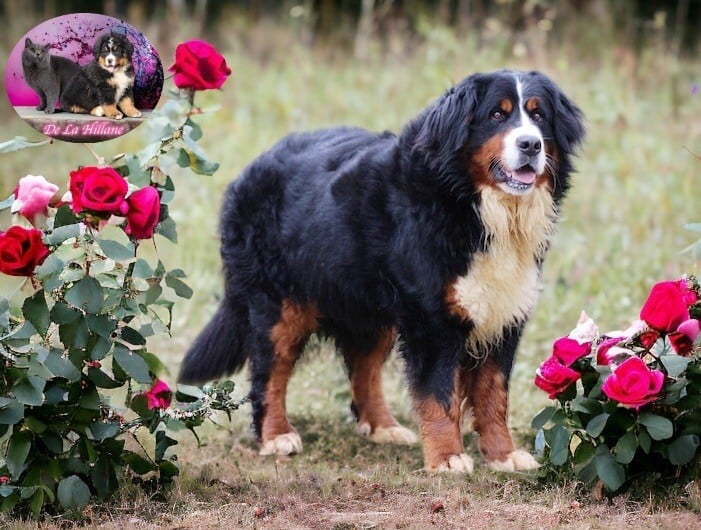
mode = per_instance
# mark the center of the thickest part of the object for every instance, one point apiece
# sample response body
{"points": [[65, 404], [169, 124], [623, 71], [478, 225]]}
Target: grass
{"points": [[621, 231]]}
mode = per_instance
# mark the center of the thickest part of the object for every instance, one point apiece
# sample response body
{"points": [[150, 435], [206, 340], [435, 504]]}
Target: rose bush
{"points": [[74, 336], [630, 404]]}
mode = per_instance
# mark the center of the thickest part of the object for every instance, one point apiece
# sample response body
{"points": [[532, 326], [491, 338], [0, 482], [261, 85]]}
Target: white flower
{"points": [[586, 330]]}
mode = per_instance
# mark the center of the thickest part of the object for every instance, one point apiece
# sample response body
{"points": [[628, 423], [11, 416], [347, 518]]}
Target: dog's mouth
{"points": [[519, 180]]}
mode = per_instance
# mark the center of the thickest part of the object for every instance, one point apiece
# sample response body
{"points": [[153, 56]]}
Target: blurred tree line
{"points": [[354, 23]]}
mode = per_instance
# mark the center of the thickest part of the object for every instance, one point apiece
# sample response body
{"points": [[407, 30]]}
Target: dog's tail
{"points": [[220, 348]]}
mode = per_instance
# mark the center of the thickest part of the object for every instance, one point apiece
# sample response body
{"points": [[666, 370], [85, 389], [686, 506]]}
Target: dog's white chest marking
{"points": [[121, 83], [500, 287]]}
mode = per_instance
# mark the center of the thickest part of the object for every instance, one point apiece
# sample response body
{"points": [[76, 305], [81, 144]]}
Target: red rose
{"points": [[567, 350], [633, 384], [143, 213], [554, 377], [97, 189], [4, 479], [681, 343], [21, 250], [199, 66], [159, 396], [667, 306]]}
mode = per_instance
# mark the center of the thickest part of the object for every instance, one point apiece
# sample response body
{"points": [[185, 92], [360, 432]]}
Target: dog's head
{"points": [[509, 130], [113, 52]]}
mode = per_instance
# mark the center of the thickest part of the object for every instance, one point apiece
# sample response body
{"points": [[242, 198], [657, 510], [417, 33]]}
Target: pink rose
{"points": [[633, 384], [667, 306], [554, 377], [199, 66], [144, 209], [681, 343], [690, 328], [567, 350], [159, 396], [33, 195]]}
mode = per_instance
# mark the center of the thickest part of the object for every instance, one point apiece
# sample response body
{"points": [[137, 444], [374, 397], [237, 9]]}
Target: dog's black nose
{"points": [[529, 145]]}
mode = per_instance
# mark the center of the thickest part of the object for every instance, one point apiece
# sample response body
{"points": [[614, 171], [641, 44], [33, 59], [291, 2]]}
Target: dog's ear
{"points": [[568, 123], [128, 46], [98, 46], [444, 128]]}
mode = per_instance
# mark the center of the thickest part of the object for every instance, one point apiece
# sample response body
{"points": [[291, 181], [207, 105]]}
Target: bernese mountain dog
{"points": [[107, 87], [435, 238]]}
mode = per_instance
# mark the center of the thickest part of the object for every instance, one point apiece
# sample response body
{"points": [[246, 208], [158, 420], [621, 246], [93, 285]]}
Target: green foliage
{"points": [[82, 331]]}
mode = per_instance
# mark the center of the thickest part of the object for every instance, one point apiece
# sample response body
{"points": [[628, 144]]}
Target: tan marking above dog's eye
{"points": [[506, 105]]}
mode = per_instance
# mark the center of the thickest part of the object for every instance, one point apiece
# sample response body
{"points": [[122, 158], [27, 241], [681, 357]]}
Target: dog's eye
{"points": [[537, 116], [498, 115]]}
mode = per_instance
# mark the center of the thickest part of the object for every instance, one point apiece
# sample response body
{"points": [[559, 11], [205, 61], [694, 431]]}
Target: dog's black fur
{"points": [[370, 230]]}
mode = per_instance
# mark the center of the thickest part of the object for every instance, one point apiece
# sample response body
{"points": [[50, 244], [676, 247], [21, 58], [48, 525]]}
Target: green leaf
{"points": [[658, 427], [586, 405], [132, 336], [101, 430], [35, 502], [61, 366], [189, 394], [138, 463], [683, 449], [584, 452], [132, 363], [20, 142], [181, 288], [73, 493], [11, 413], [102, 325], [596, 425], [626, 448], [36, 311], [17, 453], [7, 202], [168, 229], [117, 251], [611, 473], [101, 379], [62, 233], [167, 470], [30, 390], [163, 442], [64, 314], [196, 162], [103, 477], [85, 294], [674, 364], [558, 438], [65, 216]]}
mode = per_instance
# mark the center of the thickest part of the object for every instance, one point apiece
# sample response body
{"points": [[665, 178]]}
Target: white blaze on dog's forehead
{"points": [[512, 154]]}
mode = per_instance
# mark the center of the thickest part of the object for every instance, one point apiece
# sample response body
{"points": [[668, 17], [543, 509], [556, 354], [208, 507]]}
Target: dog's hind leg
{"points": [[278, 349], [368, 402]]}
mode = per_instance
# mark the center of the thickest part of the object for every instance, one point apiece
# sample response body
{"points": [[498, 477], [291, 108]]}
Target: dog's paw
{"points": [[98, 111], [134, 114], [518, 460], [395, 434], [461, 463], [283, 444], [117, 116]]}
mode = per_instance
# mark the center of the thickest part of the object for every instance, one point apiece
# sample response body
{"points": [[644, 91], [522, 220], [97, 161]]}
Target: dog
{"points": [[107, 86], [436, 236]]}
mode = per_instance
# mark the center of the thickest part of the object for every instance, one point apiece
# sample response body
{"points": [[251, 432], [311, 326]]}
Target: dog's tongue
{"points": [[525, 175]]}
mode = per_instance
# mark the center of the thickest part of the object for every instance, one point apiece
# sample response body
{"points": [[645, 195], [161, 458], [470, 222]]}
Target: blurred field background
{"points": [[633, 67]]}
